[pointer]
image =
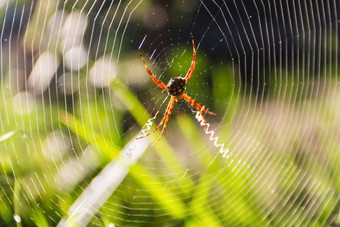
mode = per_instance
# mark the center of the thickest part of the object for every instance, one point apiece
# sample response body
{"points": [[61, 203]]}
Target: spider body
{"points": [[176, 90], [176, 87]]}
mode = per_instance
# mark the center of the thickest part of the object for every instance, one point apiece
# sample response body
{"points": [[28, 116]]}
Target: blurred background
{"points": [[75, 95]]}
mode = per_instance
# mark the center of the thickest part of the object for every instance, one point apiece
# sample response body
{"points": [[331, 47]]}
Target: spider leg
{"points": [[165, 118], [157, 81], [205, 121], [192, 67], [195, 104], [171, 105]]}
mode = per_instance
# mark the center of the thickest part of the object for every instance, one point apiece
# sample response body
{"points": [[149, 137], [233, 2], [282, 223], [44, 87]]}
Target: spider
{"points": [[175, 89]]}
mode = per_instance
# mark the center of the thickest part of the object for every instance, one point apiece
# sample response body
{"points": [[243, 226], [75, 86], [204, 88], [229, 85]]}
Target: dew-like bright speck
{"points": [[17, 218]]}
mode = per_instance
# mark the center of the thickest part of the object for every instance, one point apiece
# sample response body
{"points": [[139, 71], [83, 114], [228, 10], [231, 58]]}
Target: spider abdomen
{"points": [[176, 86]]}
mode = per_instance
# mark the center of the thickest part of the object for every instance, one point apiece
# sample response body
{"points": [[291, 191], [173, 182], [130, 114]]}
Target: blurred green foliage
{"points": [[177, 189]]}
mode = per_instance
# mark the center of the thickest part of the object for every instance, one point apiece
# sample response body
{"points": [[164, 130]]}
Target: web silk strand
{"points": [[222, 150]]}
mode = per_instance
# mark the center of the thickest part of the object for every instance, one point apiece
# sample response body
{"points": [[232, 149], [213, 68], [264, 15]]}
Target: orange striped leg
{"points": [[195, 104], [157, 81], [205, 121], [165, 118], [171, 105], [192, 67]]}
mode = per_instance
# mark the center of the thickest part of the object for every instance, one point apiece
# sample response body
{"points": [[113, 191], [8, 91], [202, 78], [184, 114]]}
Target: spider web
{"points": [[75, 95]]}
